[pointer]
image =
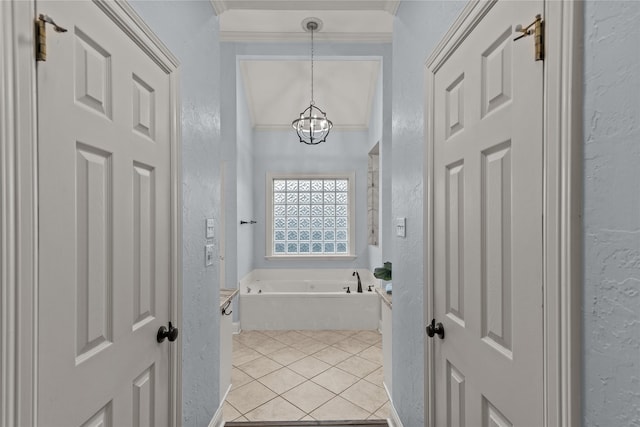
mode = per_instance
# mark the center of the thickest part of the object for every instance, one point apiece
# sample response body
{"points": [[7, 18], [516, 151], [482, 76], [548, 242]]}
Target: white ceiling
{"points": [[278, 90]]}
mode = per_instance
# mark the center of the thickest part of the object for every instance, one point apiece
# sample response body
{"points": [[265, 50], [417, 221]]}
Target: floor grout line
{"points": [[255, 339]]}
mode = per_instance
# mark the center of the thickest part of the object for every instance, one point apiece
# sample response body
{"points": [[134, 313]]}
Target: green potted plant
{"points": [[383, 273]]}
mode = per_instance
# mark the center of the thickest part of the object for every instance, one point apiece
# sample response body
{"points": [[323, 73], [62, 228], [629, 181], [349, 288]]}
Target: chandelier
{"points": [[312, 126]]}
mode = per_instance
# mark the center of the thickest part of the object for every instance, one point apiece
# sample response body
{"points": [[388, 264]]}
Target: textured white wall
{"points": [[611, 365], [244, 184], [340, 147], [376, 136], [230, 129], [245, 244], [418, 27], [190, 30], [281, 152]]}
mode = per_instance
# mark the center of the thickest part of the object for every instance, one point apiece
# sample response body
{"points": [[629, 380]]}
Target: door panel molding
{"points": [[19, 206], [562, 198]]}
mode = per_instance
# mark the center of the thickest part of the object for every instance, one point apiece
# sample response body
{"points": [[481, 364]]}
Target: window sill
{"points": [[310, 257]]}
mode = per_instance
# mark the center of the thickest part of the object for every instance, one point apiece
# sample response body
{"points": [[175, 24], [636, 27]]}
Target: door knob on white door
{"points": [[435, 329], [164, 333]]}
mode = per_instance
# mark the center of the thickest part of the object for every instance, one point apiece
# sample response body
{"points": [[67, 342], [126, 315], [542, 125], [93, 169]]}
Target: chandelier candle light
{"points": [[312, 126]]}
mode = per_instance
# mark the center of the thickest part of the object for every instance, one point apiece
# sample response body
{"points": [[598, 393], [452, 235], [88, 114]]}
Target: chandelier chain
{"points": [[312, 102], [312, 125]]}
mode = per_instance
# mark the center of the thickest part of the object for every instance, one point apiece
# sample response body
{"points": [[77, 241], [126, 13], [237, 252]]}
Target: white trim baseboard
{"points": [[218, 417], [394, 419], [217, 420]]}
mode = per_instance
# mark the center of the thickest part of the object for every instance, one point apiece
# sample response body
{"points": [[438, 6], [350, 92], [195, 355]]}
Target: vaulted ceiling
{"points": [[278, 89]]}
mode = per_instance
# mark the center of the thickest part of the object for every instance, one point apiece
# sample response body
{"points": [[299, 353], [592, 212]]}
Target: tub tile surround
{"points": [[309, 299], [306, 375], [293, 280], [272, 274]]}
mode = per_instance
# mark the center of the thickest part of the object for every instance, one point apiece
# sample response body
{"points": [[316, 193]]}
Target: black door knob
{"points": [[435, 329], [171, 334]]}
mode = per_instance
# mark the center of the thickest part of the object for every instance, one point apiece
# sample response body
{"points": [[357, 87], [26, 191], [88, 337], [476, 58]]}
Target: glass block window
{"points": [[310, 215]]}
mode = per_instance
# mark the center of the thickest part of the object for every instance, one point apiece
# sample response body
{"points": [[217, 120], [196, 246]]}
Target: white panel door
{"points": [[104, 207], [487, 120]]}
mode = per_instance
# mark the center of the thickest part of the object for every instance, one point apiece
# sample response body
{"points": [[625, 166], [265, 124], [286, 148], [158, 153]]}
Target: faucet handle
{"points": [[348, 290]]}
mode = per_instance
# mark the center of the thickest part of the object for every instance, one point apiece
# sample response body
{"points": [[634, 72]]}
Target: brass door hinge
{"points": [[538, 32], [41, 35]]}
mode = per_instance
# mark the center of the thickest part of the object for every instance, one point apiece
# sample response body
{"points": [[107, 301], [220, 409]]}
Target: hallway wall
{"points": [[418, 27], [244, 180], [380, 132], [611, 312], [195, 43], [281, 152], [267, 145]]}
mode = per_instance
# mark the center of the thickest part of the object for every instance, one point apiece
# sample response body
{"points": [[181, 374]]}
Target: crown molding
{"points": [[219, 6], [389, 6], [392, 7], [252, 37], [285, 25]]}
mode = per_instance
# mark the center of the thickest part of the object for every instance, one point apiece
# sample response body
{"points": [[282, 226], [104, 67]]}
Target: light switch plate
{"points": [[208, 255], [209, 233], [401, 227]]}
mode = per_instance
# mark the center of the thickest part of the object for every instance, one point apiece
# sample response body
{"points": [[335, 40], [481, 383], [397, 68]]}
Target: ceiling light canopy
{"points": [[312, 126]]}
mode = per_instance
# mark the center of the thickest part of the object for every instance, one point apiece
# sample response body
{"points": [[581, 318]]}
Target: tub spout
{"points": [[355, 273]]}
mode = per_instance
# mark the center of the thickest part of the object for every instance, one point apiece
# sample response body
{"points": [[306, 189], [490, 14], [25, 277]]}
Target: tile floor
{"points": [[306, 375]]}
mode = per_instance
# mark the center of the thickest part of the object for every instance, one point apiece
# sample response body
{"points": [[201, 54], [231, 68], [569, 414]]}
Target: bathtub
{"points": [[308, 299]]}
